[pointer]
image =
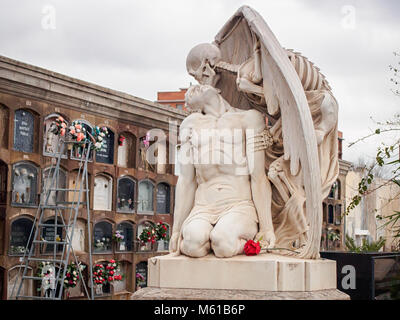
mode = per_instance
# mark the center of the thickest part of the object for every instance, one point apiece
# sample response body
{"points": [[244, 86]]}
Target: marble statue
{"points": [[283, 109], [224, 202]]}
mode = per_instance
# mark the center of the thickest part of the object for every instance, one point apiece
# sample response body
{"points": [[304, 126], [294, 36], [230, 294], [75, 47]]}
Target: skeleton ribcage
{"points": [[309, 74]]}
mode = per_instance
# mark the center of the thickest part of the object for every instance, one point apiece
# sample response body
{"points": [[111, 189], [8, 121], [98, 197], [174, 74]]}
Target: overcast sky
{"points": [[140, 47]]}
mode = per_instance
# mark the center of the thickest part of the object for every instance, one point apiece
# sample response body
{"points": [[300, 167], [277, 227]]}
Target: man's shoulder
{"points": [[254, 119], [189, 121]]}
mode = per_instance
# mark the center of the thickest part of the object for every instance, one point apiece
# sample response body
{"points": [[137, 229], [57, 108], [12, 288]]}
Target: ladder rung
{"points": [[36, 278], [57, 207], [46, 260], [53, 225], [37, 298], [49, 242], [69, 202], [67, 190]]}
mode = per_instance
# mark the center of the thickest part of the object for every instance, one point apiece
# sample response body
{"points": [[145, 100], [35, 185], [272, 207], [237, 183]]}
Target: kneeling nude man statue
{"points": [[223, 202]]}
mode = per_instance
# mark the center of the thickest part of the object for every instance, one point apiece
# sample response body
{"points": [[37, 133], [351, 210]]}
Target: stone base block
{"points": [[203, 294], [265, 273]]}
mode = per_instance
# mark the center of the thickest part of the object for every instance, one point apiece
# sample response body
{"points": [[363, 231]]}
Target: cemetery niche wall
{"points": [[27, 148]]}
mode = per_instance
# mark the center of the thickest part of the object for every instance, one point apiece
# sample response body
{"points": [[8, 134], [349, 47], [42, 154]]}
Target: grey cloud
{"points": [[140, 47]]}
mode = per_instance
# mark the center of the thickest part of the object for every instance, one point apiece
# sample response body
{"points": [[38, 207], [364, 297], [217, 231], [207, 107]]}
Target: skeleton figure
{"points": [[264, 80]]}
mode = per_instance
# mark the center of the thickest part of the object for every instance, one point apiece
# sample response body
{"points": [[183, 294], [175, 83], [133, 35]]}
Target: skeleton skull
{"points": [[201, 62]]}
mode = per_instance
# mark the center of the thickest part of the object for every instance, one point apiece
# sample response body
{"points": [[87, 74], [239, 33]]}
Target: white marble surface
{"points": [[265, 272]]}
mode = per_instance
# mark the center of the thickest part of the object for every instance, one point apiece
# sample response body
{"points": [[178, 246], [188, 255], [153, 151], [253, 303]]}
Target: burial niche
{"points": [[106, 153], [52, 233], [141, 275], [60, 181], [102, 237], [126, 150], [20, 231], [14, 276], [147, 246], [75, 184], [3, 182], [102, 196], [4, 125], [163, 245], [126, 195], [24, 127], [145, 201], [78, 241], [125, 229], [120, 286], [163, 198], [24, 186], [331, 214], [77, 149], [51, 140]]}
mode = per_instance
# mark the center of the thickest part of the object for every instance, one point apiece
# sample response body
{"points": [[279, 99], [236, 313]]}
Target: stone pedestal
{"points": [[265, 276]]}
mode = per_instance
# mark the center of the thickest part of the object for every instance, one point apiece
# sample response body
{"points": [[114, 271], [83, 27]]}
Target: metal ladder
{"points": [[67, 212]]}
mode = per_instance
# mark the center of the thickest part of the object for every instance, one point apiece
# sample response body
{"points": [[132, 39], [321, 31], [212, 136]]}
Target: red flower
{"points": [[112, 261], [110, 278], [252, 248]]}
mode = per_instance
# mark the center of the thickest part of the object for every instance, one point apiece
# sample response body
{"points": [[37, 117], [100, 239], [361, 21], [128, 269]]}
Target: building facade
{"points": [[175, 99], [334, 206], [363, 221], [127, 193]]}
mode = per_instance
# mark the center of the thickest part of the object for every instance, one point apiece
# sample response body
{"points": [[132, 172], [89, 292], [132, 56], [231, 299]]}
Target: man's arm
{"points": [[260, 186], [184, 194]]}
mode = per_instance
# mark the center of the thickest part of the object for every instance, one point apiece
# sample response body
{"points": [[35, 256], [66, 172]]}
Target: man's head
{"points": [[200, 95]]}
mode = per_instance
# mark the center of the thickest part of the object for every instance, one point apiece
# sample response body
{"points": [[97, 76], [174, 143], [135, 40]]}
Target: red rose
{"points": [[110, 278], [252, 248]]}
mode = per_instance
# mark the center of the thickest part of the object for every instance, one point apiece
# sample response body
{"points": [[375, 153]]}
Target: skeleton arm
{"points": [[260, 186]]}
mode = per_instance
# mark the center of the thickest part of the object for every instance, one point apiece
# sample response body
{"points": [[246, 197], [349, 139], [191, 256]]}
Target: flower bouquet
{"points": [[117, 236], [139, 280], [161, 231], [121, 140], [71, 276], [112, 272], [148, 235], [99, 274], [77, 132], [59, 126], [98, 137]]}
